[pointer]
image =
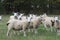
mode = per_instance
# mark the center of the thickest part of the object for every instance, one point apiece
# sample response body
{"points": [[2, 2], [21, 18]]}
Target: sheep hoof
{"points": [[7, 34]]}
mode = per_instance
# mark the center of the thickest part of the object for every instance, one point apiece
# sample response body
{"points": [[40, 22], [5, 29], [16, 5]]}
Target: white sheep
{"points": [[17, 25], [35, 22], [57, 23], [47, 21]]}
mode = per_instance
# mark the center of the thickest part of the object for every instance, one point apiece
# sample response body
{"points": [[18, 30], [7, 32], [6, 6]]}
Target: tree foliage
{"points": [[9, 6]]}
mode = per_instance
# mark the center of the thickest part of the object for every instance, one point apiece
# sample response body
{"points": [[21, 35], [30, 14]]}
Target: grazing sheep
{"points": [[57, 23]]}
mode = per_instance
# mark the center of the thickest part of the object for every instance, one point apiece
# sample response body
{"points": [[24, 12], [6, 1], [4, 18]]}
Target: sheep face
{"points": [[56, 18], [15, 14], [21, 14], [29, 19]]}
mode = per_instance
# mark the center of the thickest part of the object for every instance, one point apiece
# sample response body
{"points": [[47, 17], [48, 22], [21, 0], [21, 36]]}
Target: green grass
{"points": [[42, 33]]}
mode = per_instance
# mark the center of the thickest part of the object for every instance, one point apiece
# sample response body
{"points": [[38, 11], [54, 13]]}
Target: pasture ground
{"points": [[42, 33]]}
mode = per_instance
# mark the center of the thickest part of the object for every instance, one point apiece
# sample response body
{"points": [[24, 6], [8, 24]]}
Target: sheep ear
{"points": [[52, 23]]}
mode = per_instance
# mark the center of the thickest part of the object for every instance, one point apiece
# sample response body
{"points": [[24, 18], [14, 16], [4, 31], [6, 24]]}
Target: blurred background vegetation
{"points": [[30, 6]]}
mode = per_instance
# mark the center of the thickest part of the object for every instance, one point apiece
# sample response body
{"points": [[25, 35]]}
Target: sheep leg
{"points": [[51, 28], [15, 32], [24, 31], [24, 34], [28, 30], [9, 28], [8, 31], [32, 30], [35, 30], [55, 29], [45, 26]]}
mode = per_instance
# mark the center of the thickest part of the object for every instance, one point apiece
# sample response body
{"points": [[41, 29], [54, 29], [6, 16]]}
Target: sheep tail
{"points": [[7, 24]]}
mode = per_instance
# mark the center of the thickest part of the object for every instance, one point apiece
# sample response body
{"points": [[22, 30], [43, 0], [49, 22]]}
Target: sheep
{"points": [[35, 22], [57, 23], [18, 25], [47, 21]]}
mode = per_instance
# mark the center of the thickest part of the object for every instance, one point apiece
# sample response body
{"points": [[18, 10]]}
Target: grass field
{"points": [[42, 33]]}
